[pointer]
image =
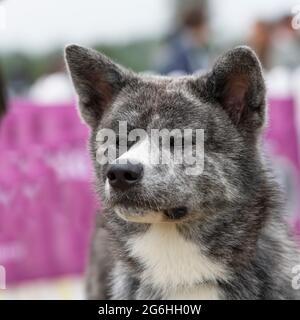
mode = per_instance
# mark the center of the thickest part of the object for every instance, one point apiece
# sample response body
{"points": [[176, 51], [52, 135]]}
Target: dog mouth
{"points": [[142, 215], [136, 208], [176, 213]]}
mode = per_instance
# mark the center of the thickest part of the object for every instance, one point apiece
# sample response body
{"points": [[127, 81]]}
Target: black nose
{"points": [[123, 176]]}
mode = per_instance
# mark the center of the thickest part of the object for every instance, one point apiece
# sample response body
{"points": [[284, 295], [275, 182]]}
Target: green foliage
{"points": [[137, 56]]}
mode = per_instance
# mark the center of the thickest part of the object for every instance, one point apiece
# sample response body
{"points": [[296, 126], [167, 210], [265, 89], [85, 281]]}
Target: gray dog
{"points": [[166, 234]]}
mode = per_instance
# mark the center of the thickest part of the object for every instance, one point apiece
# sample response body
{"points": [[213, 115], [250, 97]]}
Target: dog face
{"points": [[227, 105]]}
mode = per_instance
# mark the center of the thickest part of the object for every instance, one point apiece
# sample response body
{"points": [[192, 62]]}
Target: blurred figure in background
{"points": [[260, 40], [276, 43], [186, 49], [54, 87], [2, 96], [285, 44]]}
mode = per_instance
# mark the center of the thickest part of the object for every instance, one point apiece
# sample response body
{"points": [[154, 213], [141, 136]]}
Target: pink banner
{"points": [[46, 197], [282, 145]]}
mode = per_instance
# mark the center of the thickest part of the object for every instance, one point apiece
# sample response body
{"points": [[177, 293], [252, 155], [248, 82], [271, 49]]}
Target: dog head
{"points": [[218, 115]]}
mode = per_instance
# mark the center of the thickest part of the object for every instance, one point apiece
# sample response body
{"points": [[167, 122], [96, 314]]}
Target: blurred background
{"points": [[47, 204]]}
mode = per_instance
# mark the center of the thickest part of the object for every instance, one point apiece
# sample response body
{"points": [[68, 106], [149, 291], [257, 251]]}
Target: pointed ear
{"points": [[237, 83], [97, 80]]}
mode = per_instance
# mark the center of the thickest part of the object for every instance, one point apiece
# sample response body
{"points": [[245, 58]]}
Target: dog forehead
{"points": [[153, 96], [152, 100], [158, 103], [154, 91]]}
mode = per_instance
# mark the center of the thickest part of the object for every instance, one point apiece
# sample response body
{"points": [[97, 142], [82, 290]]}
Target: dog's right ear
{"points": [[236, 82], [97, 80]]}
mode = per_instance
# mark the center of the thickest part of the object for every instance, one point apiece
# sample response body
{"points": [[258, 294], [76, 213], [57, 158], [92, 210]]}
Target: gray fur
{"points": [[235, 214]]}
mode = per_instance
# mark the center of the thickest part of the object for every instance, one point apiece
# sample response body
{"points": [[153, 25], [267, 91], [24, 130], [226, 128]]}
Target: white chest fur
{"points": [[175, 266]]}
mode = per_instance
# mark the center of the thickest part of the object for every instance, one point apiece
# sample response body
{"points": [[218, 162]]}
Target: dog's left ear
{"points": [[97, 81], [236, 83]]}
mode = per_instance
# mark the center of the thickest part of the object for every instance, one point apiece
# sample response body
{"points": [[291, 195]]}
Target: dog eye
{"points": [[117, 141], [172, 142], [120, 141], [129, 144], [194, 140], [175, 142]]}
